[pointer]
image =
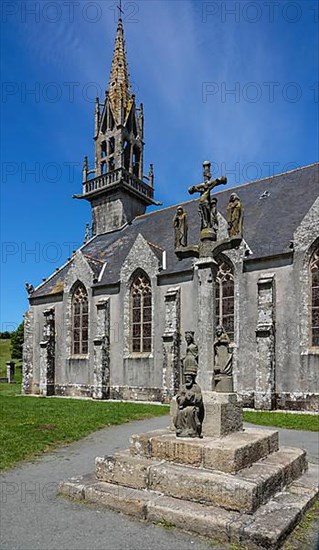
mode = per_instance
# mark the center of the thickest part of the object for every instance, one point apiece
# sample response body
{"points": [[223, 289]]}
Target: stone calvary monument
{"points": [[206, 473]]}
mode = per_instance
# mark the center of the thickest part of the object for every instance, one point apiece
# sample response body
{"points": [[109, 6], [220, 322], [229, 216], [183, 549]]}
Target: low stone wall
{"points": [[298, 401], [74, 390], [284, 401], [136, 393]]}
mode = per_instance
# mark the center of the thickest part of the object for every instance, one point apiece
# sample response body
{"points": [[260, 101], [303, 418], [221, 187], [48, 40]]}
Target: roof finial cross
{"points": [[119, 7]]}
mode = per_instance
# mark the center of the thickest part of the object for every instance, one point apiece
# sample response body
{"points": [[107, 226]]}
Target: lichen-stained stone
{"points": [[293, 463], [238, 450], [141, 444], [308, 483], [123, 469], [227, 454], [118, 498], [122, 499], [209, 521], [205, 487], [223, 414], [265, 529], [28, 352], [75, 487], [276, 471], [180, 450], [275, 520]]}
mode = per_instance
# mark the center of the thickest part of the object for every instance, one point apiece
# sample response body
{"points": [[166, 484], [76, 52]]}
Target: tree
{"points": [[6, 335], [17, 342]]}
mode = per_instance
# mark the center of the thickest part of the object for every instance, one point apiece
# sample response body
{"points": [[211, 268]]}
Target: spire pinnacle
{"points": [[119, 85], [119, 7]]}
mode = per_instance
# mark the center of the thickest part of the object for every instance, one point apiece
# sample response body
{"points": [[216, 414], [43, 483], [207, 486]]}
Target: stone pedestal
{"points": [[10, 372], [234, 485], [223, 414]]}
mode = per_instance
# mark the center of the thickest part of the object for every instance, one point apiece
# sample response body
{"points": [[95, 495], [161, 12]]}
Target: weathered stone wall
{"points": [[300, 380], [266, 338], [28, 352], [36, 327], [140, 370], [101, 358], [171, 344], [47, 353], [114, 210], [294, 364]]}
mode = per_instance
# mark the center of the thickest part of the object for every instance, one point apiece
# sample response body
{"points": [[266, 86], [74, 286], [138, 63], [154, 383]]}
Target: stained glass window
{"points": [[80, 321], [314, 274], [141, 314], [225, 303]]}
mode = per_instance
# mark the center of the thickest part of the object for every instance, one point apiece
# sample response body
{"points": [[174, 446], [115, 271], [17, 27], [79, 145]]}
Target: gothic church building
{"points": [[110, 323]]}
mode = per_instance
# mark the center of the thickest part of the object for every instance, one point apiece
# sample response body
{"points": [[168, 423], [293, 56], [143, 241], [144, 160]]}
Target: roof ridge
{"points": [[270, 177], [93, 259], [155, 245], [228, 189]]}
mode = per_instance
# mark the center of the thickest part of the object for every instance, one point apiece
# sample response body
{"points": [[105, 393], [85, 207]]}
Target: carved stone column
{"points": [[265, 334], [27, 368], [206, 271], [47, 355], [171, 345], [102, 351]]}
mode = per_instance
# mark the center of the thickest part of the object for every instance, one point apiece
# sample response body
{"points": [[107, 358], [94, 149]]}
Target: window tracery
{"points": [[141, 314]]}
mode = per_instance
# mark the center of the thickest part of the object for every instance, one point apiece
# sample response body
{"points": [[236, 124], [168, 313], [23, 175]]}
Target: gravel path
{"points": [[33, 517]]}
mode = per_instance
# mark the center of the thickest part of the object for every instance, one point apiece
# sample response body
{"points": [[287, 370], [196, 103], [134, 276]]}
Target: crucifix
{"points": [[206, 268]]}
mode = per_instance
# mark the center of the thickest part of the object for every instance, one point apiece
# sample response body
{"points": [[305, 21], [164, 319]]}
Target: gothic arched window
{"points": [[225, 303], [80, 321], [314, 281], [141, 313]]}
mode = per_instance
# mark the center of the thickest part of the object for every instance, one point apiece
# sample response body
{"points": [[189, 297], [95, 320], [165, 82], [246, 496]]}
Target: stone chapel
{"points": [[111, 322]]}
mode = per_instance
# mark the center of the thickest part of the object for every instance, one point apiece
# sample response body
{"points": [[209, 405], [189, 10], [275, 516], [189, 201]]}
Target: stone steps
{"points": [[228, 454], [265, 529], [244, 491]]}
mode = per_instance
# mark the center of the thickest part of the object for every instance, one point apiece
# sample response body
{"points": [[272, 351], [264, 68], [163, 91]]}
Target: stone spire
{"points": [[119, 85], [116, 186]]}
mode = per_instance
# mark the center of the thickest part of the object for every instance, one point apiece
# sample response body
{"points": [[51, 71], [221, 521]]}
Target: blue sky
{"points": [[185, 58]]}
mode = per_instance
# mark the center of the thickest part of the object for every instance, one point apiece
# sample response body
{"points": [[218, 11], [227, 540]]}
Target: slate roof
{"points": [[269, 225]]}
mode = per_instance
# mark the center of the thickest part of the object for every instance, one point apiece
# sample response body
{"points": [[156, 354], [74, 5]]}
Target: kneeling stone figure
{"points": [[190, 408]]}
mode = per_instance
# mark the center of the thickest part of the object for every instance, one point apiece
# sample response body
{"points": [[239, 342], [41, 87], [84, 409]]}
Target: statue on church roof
{"points": [[181, 227], [85, 169], [235, 216], [29, 288], [87, 234], [151, 175]]}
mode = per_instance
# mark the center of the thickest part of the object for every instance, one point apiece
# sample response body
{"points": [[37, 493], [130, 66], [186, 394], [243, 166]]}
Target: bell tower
{"points": [[115, 185]]}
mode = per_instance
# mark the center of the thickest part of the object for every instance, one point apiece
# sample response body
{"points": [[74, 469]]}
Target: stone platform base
{"points": [[232, 485], [228, 454], [267, 528]]}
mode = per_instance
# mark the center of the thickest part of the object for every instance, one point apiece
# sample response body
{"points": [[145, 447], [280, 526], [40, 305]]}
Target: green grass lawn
{"points": [[309, 422], [5, 355], [33, 425]]}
